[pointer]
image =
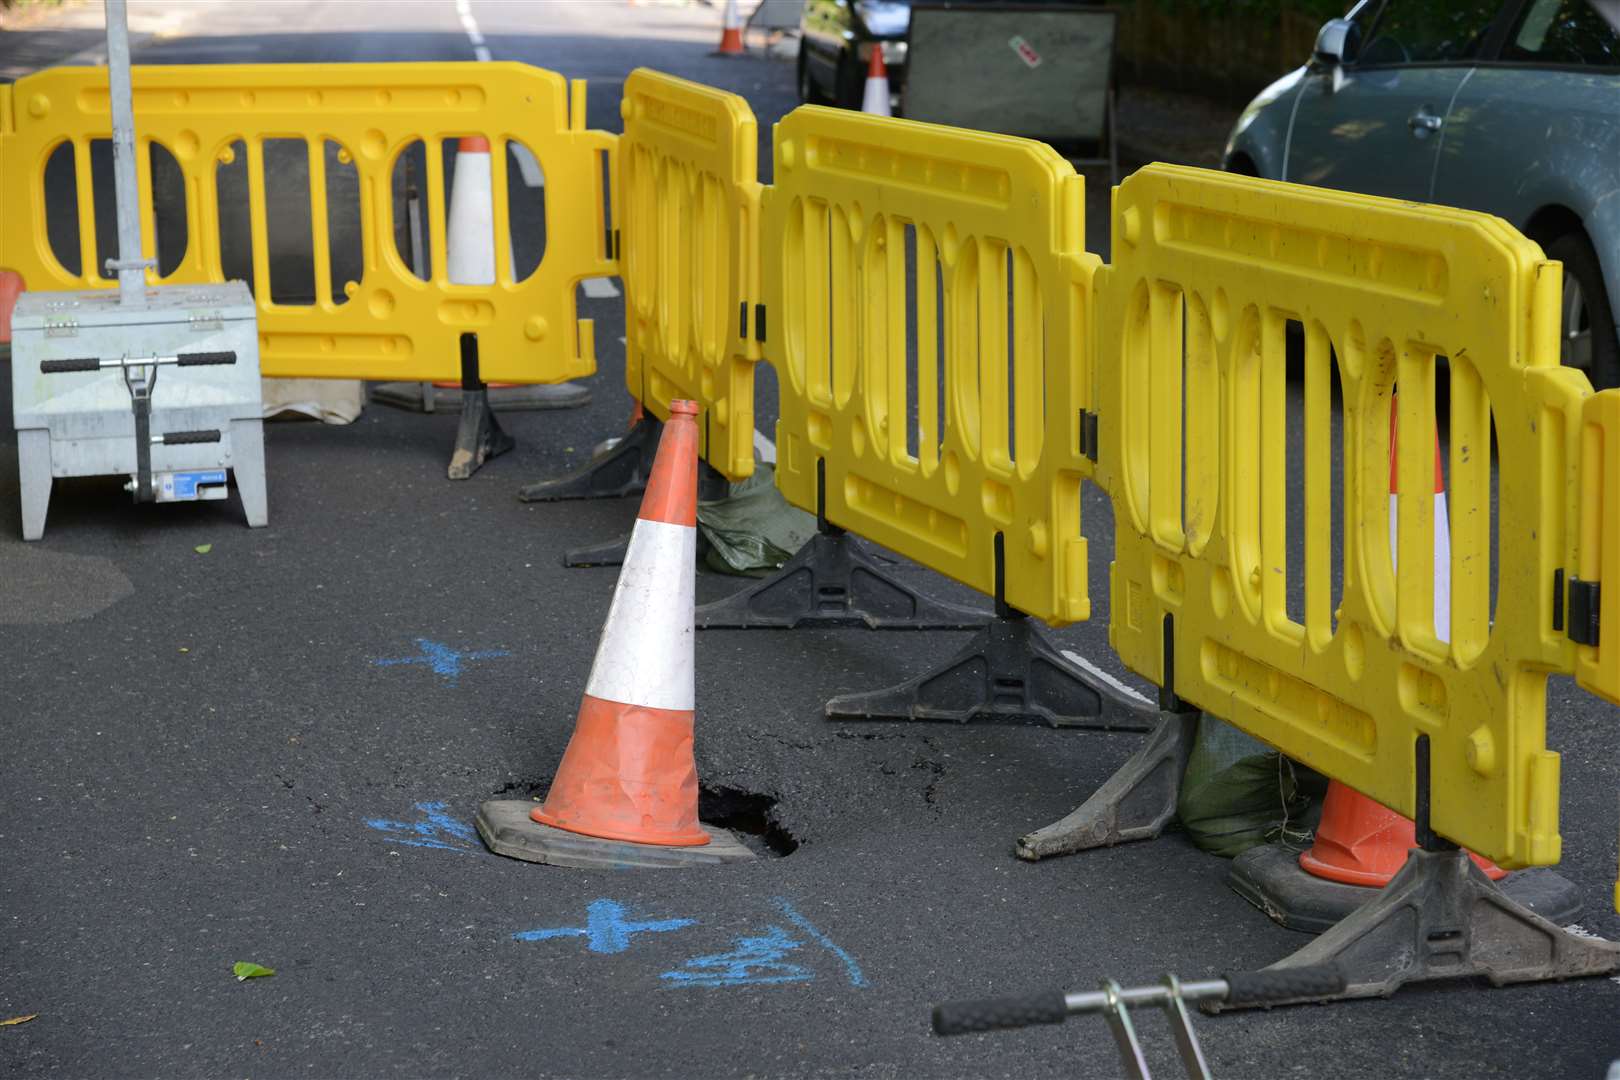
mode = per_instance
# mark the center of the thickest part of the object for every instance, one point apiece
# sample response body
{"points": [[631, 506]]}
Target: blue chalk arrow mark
{"points": [[753, 961], [851, 968], [437, 829], [606, 930], [442, 659]]}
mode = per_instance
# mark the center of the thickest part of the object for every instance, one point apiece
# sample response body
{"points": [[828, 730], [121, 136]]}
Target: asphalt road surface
{"points": [[210, 758]]}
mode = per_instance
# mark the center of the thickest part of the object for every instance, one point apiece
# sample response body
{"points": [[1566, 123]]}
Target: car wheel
{"points": [[1587, 331], [807, 82], [850, 86]]}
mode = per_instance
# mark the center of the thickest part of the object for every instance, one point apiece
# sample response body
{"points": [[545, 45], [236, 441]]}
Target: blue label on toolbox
{"points": [[186, 483]]}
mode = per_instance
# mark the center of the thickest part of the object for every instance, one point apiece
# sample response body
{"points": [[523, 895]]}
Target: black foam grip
{"points": [[963, 1017], [181, 438], [89, 363], [198, 359], [1283, 984]]}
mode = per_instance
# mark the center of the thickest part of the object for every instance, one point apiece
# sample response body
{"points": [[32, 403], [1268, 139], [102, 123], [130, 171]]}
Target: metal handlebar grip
{"points": [[964, 1017], [198, 359], [83, 363], [1283, 984], [182, 438]]}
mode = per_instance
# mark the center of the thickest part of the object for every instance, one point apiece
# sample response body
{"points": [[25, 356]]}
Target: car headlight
{"points": [[884, 17]]}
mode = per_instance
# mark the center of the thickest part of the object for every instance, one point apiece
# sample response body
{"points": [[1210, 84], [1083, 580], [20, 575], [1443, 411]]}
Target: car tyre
{"points": [[809, 93], [1586, 301], [851, 81]]}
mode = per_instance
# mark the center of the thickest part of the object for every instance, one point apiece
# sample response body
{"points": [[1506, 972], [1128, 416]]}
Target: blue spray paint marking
{"points": [[754, 961], [850, 966], [605, 929], [442, 658], [439, 830]]}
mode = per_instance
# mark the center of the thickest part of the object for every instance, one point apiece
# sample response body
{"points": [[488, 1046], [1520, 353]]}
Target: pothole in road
{"points": [[748, 814]]}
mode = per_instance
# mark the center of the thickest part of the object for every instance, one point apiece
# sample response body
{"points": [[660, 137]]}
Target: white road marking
{"points": [[766, 448], [1129, 691], [600, 288], [481, 53]]}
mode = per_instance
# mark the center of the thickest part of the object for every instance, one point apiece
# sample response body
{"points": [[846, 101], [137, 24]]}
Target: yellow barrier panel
{"points": [[393, 324], [992, 230], [1597, 665], [689, 247], [1209, 271]]}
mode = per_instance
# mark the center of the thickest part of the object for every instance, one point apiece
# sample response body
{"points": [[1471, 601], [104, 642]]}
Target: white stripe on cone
{"points": [[1442, 559], [875, 98], [645, 655], [470, 246]]}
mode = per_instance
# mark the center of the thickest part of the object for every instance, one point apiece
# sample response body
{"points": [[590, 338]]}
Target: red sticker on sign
{"points": [[1026, 52]]}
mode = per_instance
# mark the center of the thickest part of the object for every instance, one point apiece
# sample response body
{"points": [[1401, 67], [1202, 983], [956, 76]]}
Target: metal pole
{"points": [[130, 264]]}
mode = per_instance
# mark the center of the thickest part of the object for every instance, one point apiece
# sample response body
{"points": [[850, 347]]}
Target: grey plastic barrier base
{"points": [[478, 436], [622, 470], [1270, 878], [1442, 918], [834, 582], [1009, 672], [1136, 803], [507, 829]]}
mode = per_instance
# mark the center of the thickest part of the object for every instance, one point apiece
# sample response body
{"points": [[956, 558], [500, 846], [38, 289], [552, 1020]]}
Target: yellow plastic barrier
{"points": [[393, 325], [992, 341], [689, 245], [1597, 665], [1209, 270]]}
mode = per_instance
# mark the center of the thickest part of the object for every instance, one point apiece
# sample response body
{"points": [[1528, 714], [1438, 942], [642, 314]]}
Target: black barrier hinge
{"points": [[1088, 434], [742, 319], [1583, 611], [759, 323]]}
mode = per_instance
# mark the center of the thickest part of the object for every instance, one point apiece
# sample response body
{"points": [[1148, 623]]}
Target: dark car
{"points": [[836, 42]]}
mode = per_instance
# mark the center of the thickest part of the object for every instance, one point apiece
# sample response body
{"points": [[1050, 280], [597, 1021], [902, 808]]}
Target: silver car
{"points": [[1506, 106]]}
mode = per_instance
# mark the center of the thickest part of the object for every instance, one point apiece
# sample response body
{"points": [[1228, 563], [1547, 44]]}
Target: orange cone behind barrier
{"points": [[875, 95], [731, 32], [1362, 842], [629, 772], [11, 287]]}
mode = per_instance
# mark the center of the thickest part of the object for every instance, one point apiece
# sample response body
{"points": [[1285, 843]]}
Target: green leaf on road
{"points": [[203, 549], [245, 970]]}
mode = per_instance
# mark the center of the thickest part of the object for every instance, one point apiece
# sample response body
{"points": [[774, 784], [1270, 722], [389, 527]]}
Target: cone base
{"points": [[1270, 878], [507, 829], [408, 395], [696, 838]]}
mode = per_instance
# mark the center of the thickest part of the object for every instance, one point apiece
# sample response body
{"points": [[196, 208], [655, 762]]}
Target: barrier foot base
{"points": [[1442, 918], [507, 829], [833, 581], [711, 486], [427, 398], [1136, 803], [1009, 672], [478, 437], [1270, 878], [607, 553], [620, 471]]}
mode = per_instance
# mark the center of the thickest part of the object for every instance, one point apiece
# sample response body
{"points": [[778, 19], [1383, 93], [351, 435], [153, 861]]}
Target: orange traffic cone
{"points": [[731, 32], [628, 780], [1361, 844], [11, 287], [875, 98], [470, 260]]}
